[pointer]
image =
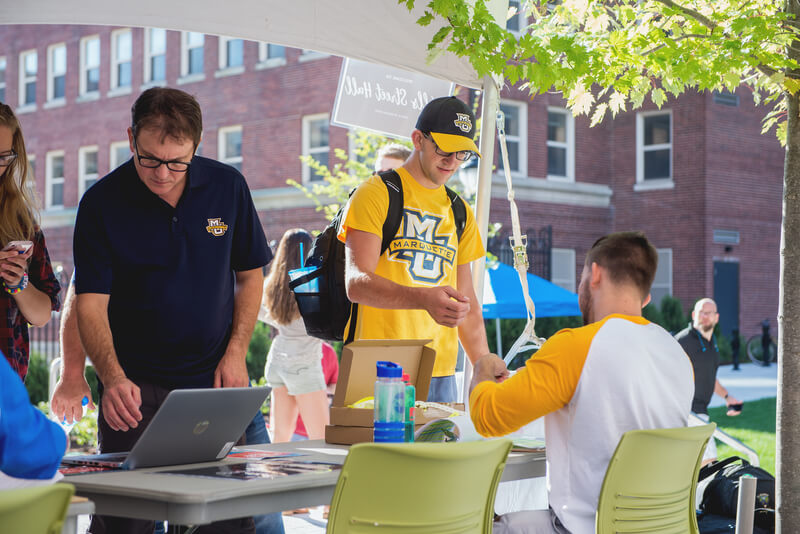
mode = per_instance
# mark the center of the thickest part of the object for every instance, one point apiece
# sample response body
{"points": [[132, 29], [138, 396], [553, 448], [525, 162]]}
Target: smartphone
{"points": [[21, 246]]}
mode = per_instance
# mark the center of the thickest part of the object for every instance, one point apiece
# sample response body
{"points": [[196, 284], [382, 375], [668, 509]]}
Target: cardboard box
{"points": [[357, 377]]}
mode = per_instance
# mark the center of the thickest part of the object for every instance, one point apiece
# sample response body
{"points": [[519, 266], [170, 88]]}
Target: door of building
{"points": [[726, 294]]}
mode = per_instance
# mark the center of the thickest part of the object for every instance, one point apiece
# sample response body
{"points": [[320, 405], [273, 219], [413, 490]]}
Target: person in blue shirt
{"points": [[31, 446], [168, 253]]}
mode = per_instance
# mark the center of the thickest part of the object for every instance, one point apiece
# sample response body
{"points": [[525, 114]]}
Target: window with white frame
{"points": [[119, 153], [121, 53], [271, 54], [653, 146], [516, 128], [310, 55], [662, 283], [3, 67], [56, 72], [231, 53], [230, 146], [90, 65], [514, 24], [28, 66], [155, 55], [54, 186], [315, 143], [560, 144], [562, 267], [31, 180], [87, 168], [192, 53]]}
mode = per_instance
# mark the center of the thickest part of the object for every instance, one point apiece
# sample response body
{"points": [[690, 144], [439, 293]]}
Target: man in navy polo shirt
{"points": [[169, 253]]}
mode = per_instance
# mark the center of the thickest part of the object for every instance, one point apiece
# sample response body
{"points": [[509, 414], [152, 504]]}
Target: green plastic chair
{"points": [[36, 510], [416, 488], [651, 480]]}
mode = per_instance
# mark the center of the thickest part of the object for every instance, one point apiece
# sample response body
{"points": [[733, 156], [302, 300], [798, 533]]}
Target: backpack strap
{"points": [[394, 217], [711, 469], [459, 211]]}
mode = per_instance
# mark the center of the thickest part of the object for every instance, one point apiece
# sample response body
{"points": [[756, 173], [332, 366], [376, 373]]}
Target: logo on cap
{"points": [[462, 122]]}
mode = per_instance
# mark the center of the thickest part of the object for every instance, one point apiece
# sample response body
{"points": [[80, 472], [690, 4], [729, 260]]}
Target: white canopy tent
{"points": [[378, 31]]}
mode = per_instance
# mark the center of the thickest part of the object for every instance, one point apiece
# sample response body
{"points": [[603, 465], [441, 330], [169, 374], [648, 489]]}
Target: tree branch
{"points": [[702, 19], [685, 36]]}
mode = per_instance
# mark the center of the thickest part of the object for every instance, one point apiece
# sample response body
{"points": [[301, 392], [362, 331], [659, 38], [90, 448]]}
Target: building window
{"points": [[231, 53], [28, 65], [654, 146], [155, 55], [230, 146], [514, 24], [54, 187], [560, 144], [120, 152], [90, 65], [271, 55], [662, 284], [31, 180], [315, 143], [516, 129], [562, 268], [87, 168], [56, 72], [3, 67], [310, 55], [121, 52], [192, 53]]}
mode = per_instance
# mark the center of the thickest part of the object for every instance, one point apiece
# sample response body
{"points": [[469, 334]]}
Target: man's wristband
{"points": [[726, 396], [13, 290]]}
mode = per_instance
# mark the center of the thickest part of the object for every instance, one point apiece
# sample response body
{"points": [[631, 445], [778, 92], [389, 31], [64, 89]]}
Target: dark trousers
{"points": [[116, 441]]}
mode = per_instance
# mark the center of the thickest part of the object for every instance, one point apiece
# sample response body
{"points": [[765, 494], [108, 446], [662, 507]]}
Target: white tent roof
{"points": [[378, 31]]}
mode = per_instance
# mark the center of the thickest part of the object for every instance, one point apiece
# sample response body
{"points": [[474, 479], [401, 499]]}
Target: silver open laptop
{"points": [[191, 426]]}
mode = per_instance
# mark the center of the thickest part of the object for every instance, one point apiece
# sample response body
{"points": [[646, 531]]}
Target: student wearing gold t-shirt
{"points": [[421, 286]]}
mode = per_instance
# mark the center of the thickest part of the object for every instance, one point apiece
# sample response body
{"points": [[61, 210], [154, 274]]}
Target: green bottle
{"points": [[411, 395]]}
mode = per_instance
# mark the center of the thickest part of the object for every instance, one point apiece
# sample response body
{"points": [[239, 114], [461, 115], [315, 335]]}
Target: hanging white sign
{"points": [[383, 99]]}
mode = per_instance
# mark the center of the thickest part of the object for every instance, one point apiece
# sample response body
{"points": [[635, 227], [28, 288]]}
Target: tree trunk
{"points": [[787, 458]]}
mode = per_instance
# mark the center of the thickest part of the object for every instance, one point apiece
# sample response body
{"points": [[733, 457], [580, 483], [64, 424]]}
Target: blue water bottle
{"points": [[390, 394]]}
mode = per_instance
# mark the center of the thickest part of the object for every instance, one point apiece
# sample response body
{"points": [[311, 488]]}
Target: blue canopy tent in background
{"points": [[502, 297]]}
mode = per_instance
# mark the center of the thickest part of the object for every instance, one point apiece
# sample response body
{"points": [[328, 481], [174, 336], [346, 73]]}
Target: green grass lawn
{"points": [[755, 427]]}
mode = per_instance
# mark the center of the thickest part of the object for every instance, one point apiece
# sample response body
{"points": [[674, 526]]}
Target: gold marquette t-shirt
{"points": [[425, 253]]}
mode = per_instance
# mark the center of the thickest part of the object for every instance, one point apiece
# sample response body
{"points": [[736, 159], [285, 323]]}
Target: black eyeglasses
{"points": [[154, 163], [461, 155], [7, 159]]}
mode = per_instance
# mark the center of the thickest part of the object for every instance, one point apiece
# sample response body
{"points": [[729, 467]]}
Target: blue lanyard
{"points": [[702, 344]]}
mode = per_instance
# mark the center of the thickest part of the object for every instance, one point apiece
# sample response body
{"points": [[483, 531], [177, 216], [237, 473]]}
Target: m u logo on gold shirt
{"points": [[422, 247]]}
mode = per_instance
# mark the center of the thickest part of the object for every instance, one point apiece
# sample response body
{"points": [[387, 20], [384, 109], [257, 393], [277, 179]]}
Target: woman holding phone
{"points": [[29, 290], [294, 363]]}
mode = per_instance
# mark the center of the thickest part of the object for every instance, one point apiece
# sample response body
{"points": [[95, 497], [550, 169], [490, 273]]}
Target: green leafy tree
{"points": [[608, 57], [350, 169]]}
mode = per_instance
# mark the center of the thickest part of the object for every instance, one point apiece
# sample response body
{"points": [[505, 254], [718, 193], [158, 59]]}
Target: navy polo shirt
{"points": [[169, 271]]}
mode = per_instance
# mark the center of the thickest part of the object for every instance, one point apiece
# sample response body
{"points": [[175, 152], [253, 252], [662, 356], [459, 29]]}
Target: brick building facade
{"points": [[697, 176]]}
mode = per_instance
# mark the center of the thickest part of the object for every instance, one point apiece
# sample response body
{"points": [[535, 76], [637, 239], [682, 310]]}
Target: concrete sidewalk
{"points": [[750, 382]]}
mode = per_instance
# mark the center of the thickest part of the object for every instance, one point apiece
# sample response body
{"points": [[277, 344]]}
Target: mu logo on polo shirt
{"points": [[423, 247], [216, 227]]}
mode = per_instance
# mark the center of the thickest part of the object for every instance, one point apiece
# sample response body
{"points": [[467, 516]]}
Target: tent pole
{"points": [[490, 101], [499, 337]]}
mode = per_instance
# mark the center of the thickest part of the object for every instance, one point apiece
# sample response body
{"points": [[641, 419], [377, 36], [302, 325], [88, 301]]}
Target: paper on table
{"points": [[332, 451]]}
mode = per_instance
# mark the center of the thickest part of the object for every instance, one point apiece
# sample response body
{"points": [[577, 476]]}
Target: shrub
{"points": [[257, 351], [37, 378]]}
